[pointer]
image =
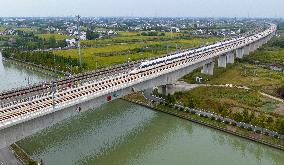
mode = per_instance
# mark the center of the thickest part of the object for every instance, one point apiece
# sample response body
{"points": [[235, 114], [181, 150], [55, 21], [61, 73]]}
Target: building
{"points": [[175, 29], [10, 31], [71, 42]]}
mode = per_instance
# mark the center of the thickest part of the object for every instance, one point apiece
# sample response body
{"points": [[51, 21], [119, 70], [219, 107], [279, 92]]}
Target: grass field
{"points": [[124, 33], [269, 56], [142, 39], [2, 28], [27, 29], [56, 36], [241, 74], [235, 99], [271, 53]]}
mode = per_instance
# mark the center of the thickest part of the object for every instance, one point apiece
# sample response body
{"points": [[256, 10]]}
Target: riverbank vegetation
{"points": [[44, 59], [22, 155], [239, 104]]}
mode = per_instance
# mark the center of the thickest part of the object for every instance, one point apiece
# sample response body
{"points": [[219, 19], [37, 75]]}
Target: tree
{"points": [[252, 116], [245, 115], [171, 99], [279, 125], [92, 35], [261, 120], [269, 120], [280, 92], [238, 116], [52, 42]]}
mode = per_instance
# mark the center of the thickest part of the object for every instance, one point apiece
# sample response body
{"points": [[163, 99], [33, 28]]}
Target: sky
{"points": [[144, 8]]}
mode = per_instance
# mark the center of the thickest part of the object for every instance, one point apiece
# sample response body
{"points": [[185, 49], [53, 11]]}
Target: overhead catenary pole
{"points": [[79, 40]]}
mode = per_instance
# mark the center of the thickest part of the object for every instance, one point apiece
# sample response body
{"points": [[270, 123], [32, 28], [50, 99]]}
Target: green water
{"points": [[123, 133], [128, 134], [13, 76]]}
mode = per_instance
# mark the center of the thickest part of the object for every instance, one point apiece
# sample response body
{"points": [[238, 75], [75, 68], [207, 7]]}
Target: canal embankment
{"points": [[21, 155], [204, 120]]}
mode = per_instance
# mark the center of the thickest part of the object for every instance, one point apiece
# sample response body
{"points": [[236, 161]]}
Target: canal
{"points": [[13, 76], [125, 133]]}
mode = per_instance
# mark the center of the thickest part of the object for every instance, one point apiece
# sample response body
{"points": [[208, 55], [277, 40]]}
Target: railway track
{"points": [[14, 94], [62, 82], [64, 97], [94, 88]]}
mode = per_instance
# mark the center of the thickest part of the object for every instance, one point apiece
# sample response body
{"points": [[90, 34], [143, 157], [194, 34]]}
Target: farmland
{"points": [[49, 36], [118, 49]]}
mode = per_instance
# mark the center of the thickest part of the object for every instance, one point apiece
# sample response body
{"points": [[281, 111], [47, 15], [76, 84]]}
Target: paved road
{"points": [[8, 158]]}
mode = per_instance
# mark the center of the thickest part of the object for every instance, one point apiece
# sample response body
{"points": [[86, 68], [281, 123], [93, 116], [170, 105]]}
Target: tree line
{"points": [[29, 41], [45, 58]]}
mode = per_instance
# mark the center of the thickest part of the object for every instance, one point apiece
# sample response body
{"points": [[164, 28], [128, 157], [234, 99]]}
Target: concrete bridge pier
{"points": [[267, 39], [166, 89], [240, 53], [208, 68], [246, 50], [251, 48], [222, 61], [162, 89], [230, 58], [257, 45], [263, 41]]}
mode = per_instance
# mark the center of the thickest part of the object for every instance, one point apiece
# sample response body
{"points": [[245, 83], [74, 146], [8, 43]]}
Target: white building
{"points": [[175, 29], [71, 42], [83, 36]]}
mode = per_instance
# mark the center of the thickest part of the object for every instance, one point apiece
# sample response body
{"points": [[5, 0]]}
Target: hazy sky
{"points": [[188, 8]]}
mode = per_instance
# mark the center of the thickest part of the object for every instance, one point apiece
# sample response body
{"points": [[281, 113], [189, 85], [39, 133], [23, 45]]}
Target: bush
{"points": [[249, 129], [32, 163], [280, 92], [234, 124]]}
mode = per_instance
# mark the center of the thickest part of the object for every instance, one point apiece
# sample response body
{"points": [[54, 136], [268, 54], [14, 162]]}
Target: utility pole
{"points": [[79, 40], [53, 93], [28, 80], [171, 32]]}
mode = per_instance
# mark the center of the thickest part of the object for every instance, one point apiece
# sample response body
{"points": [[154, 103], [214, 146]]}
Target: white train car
{"points": [[150, 64]]}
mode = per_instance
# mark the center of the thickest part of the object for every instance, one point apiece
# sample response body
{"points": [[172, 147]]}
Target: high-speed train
{"points": [[149, 64], [158, 62]]}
